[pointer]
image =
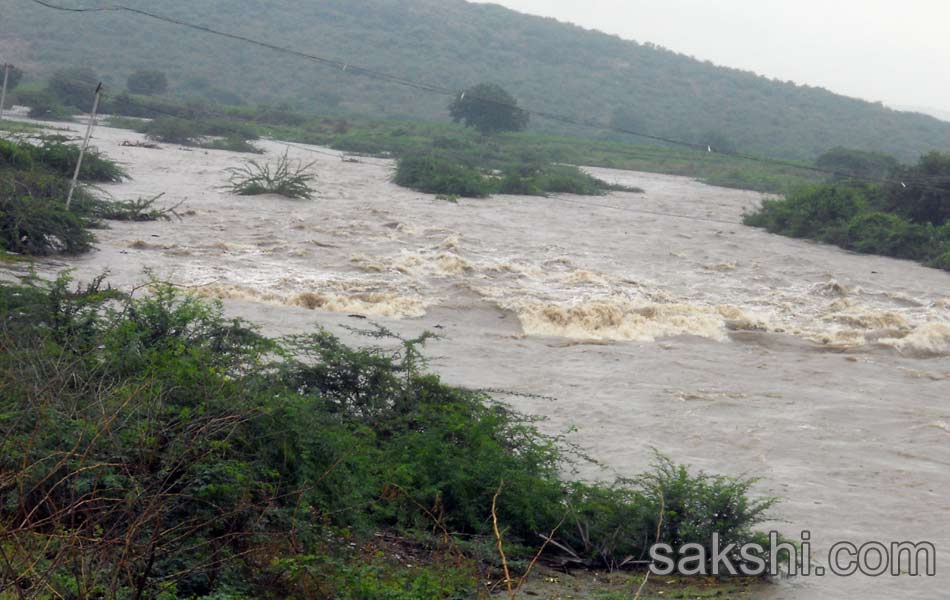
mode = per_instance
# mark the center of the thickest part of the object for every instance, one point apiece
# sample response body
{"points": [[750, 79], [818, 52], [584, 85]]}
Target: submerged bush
{"points": [[34, 185], [39, 226], [285, 178], [171, 130], [434, 175], [217, 134]]}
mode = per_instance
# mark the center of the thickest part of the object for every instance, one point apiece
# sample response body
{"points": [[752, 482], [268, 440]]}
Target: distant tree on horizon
{"points": [[488, 108]]}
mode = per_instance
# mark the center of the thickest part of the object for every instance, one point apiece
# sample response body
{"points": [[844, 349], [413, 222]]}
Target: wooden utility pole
{"points": [[85, 144], [3, 93]]}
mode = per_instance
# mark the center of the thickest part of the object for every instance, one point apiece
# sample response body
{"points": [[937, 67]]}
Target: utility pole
{"points": [[85, 144], [3, 93]]}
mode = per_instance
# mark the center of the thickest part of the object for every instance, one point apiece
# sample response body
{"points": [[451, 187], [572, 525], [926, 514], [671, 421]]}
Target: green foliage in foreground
{"points": [[152, 448], [436, 174], [911, 222]]}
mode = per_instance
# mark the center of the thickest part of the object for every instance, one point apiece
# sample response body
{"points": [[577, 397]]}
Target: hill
{"points": [[547, 65]]}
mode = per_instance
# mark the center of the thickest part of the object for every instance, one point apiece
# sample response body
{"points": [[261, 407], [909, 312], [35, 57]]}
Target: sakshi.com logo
{"points": [[781, 557]]}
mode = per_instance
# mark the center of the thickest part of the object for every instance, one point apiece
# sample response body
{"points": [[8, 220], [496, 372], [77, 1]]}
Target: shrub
{"points": [[618, 523], [438, 175], [284, 178], [196, 131], [33, 215], [863, 218], [890, 235], [942, 261], [54, 154], [34, 184], [434, 175], [171, 130], [138, 210], [811, 211]]}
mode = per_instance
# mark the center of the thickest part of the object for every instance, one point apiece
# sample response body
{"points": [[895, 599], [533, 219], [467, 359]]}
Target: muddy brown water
{"points": [[824, 373]]}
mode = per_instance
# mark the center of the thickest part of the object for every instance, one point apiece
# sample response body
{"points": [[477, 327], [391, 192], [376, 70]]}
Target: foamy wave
{"points": [[623, 320], [379, 304], [927, 341], [416, 264], [831, 288]]}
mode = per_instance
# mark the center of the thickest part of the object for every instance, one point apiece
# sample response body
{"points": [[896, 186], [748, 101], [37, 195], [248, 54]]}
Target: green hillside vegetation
{"points": [[908, 220], [152, 448], [546, 65]]}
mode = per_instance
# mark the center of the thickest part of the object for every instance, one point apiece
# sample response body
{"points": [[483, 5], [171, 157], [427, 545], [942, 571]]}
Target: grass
{"points": [[180, 454], [285, 177]]}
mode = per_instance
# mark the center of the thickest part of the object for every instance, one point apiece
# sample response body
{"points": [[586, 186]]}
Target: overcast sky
{"points": [[895, 51]]}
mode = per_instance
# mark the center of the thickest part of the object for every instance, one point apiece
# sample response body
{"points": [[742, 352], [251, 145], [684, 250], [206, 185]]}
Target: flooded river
{"points": [[824, 373]]}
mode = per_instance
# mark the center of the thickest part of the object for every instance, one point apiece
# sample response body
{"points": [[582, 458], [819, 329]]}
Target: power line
{"points": [[371, 73]]}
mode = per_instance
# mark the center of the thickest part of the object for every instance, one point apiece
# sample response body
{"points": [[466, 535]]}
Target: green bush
{"points": [[171, 130], [609, 524], [33, 215], [34, 185], [814, 212], [864, 218], [434, 175], [54, 154], [199, 132], [284, 178], [890, 235]]}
